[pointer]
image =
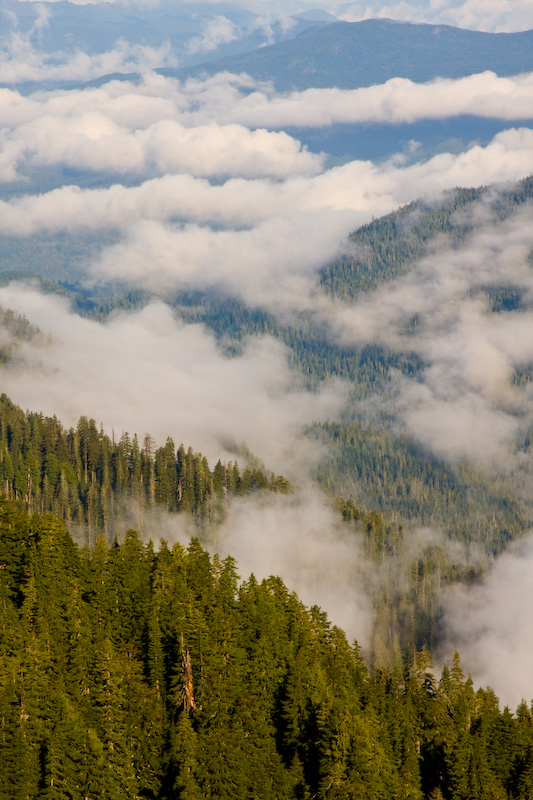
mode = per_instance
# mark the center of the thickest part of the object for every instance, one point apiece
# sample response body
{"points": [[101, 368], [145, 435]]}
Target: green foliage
{"points": [[129, 673], [387, 248], [396, 476], [86, 478]]}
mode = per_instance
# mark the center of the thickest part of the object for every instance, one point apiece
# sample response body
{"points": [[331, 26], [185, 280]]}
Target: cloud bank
{"points": [[224, 125], [396, 101], [148, 373], [490, 625], [465, 404]]}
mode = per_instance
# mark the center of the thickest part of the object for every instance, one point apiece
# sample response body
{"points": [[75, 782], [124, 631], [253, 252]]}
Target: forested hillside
{"points": [[100, 487], [129, 672], [388, 247], [396, 484], [266, 404], [91, 481]]}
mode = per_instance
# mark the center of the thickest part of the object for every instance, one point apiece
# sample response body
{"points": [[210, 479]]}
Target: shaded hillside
{"points": [[399, 477], [350, 55], [387, 247]]}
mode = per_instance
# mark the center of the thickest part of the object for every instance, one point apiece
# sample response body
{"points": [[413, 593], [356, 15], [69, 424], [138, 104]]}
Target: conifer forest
{"points": [[266, 400]]}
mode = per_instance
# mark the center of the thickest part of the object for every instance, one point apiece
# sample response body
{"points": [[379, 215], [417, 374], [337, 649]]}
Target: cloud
{"points": [[122, 130], [264, 234], [273, 263], [396, 101], [300, 538], [270, 265], [162, 127], [494, 15], [217, 31], [464, 404], [146, 372], [490, 625], [261, 235], [485, 15], [20, 61], [357, 190]]}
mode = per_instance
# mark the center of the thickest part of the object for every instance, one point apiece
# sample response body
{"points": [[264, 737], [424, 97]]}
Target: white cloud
{"points": [[147, 373], [356, 190], [217, 31], [490, 625], [122, 129], [200, 127], [282, 218], [20, 61], [484, 15], [271, 264], [397, 100], [301, 539], [464, 405]]}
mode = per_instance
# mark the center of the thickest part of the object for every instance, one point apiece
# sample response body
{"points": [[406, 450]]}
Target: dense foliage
{"points": [[89, 479], [388, 247], [396, 475], [128, 673]]}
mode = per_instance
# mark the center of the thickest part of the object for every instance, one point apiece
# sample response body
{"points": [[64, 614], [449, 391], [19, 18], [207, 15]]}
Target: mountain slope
{"points": [[352, 55]]}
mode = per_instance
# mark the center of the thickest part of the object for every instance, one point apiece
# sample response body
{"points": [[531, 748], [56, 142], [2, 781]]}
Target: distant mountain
{"points": [[350, 55], [96, 28]]}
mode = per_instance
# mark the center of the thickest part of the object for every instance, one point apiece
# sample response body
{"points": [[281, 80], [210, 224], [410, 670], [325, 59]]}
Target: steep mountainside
{"points": [[128, 673]]}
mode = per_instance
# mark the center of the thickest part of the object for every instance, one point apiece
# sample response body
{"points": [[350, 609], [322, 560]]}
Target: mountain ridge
{"points": [[343, 54]]}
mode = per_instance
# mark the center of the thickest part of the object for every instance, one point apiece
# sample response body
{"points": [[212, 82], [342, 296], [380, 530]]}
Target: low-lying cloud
{"points": [[360, 187], [219, 127], [146, 372], [465, 403], [91, 140], [301, 538], [21, 62], [272, 265], [490, 625], [217, 31], [254, 215], [399, 100]]}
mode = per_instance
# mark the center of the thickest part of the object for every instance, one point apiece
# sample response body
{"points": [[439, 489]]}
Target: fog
{"points": [[490, 626], [466, 404], [206, 191], [148, 373], [301, 539]]}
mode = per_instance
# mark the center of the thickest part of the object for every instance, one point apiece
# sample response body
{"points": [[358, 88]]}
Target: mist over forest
{"points": [[266, 413]]}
